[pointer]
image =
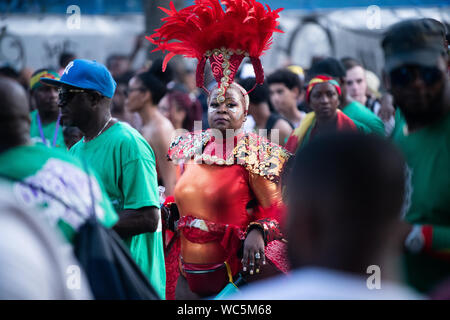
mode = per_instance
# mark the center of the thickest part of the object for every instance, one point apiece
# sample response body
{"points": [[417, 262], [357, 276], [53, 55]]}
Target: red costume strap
{"points": [[270, 229], [202, 231], [268, 222]]}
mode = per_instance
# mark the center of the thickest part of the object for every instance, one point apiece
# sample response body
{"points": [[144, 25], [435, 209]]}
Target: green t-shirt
{"points": [[49, 130], [427, 153], [125, 163], [59, 174], [365, 120]]}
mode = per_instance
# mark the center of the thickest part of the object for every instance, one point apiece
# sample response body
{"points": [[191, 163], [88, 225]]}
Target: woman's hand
{"points": [[253, 252]]}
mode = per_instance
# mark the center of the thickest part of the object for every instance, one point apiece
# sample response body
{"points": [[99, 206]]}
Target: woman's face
{"points": [[324, 100], [171, 110], [229, 114], [177, 115], [164, 106], [136, 95]]}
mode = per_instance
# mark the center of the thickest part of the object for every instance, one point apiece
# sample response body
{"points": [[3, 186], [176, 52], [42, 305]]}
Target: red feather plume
{"points": [[245, 25]]}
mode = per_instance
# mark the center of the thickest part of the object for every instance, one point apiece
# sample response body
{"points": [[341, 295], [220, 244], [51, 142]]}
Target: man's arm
{"points": [[133, 222]]}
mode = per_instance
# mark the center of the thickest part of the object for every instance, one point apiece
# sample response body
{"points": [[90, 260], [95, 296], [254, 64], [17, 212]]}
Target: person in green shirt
{"points": [[417, 77], [122, 158], [48, 181], [46, 127], [366, 121]]}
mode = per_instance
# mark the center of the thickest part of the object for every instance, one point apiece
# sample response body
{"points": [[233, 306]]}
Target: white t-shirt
{"points": [[323, 284], [35, 262]]}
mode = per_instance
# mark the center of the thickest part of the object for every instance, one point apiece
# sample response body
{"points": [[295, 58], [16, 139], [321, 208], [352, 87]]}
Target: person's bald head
{"points": [[14, 114], [345, 197]]}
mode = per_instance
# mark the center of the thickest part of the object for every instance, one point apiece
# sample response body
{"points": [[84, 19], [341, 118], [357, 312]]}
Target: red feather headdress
{"points": [[204, 30]]}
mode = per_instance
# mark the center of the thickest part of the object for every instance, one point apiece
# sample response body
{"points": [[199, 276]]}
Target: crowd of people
{"points": [[284, 186]]}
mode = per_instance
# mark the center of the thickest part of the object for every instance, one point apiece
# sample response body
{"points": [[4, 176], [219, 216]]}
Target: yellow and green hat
{"points": [[42, 73]]}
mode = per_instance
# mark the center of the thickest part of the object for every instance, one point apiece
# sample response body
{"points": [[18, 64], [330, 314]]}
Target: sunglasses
{"points": [[404, 76], [66, 95]]}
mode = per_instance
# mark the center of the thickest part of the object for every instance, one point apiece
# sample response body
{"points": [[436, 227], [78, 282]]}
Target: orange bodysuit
{"points": [[221, 194]]}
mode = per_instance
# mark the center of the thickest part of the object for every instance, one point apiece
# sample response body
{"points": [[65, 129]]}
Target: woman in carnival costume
{"points": [[227, 205]]}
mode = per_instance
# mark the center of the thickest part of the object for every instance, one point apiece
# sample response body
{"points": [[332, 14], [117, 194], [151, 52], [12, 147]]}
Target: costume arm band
{"points": [[269, 228]]}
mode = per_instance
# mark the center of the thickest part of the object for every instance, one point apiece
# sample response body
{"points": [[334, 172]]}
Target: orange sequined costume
{"points": [[222, 193]]}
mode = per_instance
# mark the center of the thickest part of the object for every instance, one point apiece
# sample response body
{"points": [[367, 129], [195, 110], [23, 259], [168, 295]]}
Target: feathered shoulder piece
{"points": [[205, 30], [257, 154]]}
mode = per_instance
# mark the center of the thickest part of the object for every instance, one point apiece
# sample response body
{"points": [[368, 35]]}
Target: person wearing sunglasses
{"points": [[123, 159], [416, 76]]}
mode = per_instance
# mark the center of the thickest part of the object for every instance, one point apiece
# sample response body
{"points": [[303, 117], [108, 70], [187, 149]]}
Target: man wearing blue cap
{"points": [[122, 158]]}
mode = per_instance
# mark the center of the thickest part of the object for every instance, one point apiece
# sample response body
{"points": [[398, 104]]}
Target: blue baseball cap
{"points": [[86, 74]]}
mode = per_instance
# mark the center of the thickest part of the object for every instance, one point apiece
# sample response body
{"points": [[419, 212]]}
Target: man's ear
{"points": [[95, 98]]}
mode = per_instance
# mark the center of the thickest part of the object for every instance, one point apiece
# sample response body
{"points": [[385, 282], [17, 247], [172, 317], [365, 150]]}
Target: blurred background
{"points": [[34, 33]]}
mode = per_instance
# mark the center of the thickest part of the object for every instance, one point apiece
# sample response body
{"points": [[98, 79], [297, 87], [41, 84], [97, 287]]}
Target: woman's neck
{"points": [[227, 135], [327, 123], [148, 113]]}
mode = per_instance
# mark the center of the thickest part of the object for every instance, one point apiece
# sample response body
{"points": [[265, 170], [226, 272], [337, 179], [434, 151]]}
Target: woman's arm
{"points": [[265, 225], [268, 214]]}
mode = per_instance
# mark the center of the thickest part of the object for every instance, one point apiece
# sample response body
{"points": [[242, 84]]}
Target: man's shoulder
{"points": [[130, 140], [34, 158], [38, 150], [120, 134], [124, 131], [359, 112], [357, 107], [158, 129]]}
